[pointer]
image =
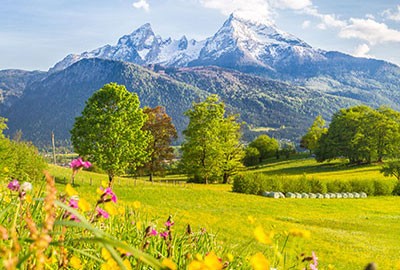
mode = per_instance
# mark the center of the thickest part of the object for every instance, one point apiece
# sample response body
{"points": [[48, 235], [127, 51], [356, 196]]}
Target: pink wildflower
{"points": [[102, 213], [169, 223], [109, 191], [74, 218], [153, 232], [13, 185], [73, 203], [164, 234], [79, 163], [314, 264]]}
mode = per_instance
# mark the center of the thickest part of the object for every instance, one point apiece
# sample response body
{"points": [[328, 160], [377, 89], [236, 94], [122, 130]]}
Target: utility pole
{"points": [[54, 148]]}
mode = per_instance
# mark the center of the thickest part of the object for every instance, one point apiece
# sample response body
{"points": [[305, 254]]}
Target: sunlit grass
{"points": [[347, 233]]}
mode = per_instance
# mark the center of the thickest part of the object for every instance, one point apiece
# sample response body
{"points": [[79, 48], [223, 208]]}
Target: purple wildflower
{"points": [[13, 185]]}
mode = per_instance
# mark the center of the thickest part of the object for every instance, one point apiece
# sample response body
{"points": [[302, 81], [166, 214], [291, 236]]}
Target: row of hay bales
{"points": [[342, 195]]}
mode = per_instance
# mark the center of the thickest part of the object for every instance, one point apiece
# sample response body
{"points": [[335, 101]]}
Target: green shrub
{"points": [[383, 188], [396, 189], [366, 186], [318, 186]]}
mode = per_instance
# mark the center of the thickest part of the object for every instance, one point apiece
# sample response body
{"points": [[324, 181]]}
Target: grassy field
{"points": [[347, 233]]}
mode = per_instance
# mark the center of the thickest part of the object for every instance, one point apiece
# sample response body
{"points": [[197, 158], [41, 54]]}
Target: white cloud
{"points": [[392, 15], [142, 4], [305, 24], [255, 9], [250, 9], [291, 4], [370, 31], [362, 51], [327, 20], [370, 16]]}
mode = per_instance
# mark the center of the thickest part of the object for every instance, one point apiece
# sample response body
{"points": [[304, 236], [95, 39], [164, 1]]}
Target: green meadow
{"points": [[345, 233]]}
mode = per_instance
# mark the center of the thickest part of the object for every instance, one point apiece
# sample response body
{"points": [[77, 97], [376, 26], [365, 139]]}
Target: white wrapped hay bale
{"points": [[363, 195], [356, 195], [265, 194], [344, 195], [327, 196], [312, 196], [304, 195], [350, 195], [274, 195], [332, 195], [281, 195], [290, 195], [320, 196], [298, 195], [338, 195]]}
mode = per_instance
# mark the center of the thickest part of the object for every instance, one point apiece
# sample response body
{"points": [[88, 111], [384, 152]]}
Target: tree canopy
{"points": [[211, 150], [109, 131], [311, 138], [266, 146], [361, 134], [163, 132]]}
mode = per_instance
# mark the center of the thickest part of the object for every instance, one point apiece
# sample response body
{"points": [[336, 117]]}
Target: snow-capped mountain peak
{"points": [[239, 41]]}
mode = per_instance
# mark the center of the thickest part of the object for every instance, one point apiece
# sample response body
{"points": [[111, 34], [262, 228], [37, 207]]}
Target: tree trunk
{"points": [[151, 177], [225, 178], [110, 180]]}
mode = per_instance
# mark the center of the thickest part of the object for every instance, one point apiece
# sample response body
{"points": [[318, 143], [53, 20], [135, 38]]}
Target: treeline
{"points": [[360, 133], [18, 159]]}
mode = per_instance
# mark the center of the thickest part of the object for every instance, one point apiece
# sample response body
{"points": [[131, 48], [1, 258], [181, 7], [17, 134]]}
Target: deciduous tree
{"points": [[266, 146], [109, 132], [163, 132], [211, 149]]}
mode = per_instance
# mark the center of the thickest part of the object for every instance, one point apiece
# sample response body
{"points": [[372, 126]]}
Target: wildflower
{"points": [[107, 192], [70, 190], [262, 237], [164, 234], [212, 261], [73, 203], [75, 263], [13, 185], [169, 223], [153, 232], [314, 264], [251, 219], [259, 262], [136, 204], [300, 233], [102, 213], [111, 209], [169, 263], [230, 257], [6, 170], [78, 163], [139, 225], [26, 186], [83, 205]]}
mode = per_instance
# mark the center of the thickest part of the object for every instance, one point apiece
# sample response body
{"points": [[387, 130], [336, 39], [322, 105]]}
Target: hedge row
{"points": [[256, 183]]}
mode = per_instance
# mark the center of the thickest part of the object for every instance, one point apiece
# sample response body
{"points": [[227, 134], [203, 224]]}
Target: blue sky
{"points": [[35, 34]]}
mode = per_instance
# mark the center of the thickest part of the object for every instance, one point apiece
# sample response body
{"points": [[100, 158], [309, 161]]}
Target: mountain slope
{"points": [[52, 104], [282, 109], [13, 83]]}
